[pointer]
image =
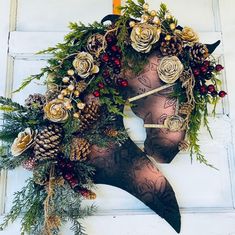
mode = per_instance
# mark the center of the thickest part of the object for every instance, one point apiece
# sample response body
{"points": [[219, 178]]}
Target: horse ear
{"points": [[112, 17], [211, 47]]}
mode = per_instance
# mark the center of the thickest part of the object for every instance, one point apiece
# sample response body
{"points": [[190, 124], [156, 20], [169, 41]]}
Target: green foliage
{"points": [[29, 203], [6, 104]]}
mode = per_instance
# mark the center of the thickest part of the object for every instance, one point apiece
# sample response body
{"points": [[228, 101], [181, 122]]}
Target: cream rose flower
{"points": [[170, 69], [56, 110], [188, 35], [174, 123], [24, 140], [143, 36], [84, 65]]}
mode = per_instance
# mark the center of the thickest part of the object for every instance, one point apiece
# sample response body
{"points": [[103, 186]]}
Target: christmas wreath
{"points": [[73, 135]]}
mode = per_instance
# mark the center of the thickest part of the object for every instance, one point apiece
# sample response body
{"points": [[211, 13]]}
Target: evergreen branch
{"points": [[8, 105]]}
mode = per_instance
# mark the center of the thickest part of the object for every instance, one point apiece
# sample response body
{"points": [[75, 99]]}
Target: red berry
{"points": [[117, 62], [124, 83], [206, 63], [73, 182], [96, 93], [203, 90], [196, 72], [222, 94], [211, 88], [101, 85], [68, 176], [203, 69], [114, 48], [106, 73], [105, 57], [219, 67], [214, 93]]}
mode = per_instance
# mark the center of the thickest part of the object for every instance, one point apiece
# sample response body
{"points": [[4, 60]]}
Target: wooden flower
{"points": [[143, 36], [170, 69], [84, 65], [24, 140], [56, 110]]}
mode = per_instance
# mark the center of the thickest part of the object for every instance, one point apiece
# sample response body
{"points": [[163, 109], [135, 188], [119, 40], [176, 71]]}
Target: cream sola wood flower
{"points": [[23, 141], [57, 110], [143, 36], [170, 69], [84, 65], [188, 35]]}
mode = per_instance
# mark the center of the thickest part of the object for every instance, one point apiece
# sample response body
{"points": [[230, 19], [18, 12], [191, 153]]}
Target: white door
{"points": [[206, 196]]}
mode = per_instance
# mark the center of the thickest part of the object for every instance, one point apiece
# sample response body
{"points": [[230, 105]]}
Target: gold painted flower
{"points": [[56, 110], [23, 141], [143, 36], [96, 44], [84, 65], [188, 35], [170, 69]]}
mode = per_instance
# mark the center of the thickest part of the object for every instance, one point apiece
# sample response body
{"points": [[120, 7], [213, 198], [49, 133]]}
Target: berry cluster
{"points": [[204, 74], [68, 173], [111, 61]]}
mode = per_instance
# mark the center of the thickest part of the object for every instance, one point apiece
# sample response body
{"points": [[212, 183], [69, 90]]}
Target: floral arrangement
{"points": [[51, 135]]}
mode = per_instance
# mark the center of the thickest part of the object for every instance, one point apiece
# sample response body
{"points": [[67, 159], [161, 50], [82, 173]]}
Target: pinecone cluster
{"points": [[88, 116], [80, 148], [47, 142], [198, 53], [173, 46], [35, 101]]}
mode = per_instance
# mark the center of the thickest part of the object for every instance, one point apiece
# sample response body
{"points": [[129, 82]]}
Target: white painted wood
{"points": [[54, 15]]}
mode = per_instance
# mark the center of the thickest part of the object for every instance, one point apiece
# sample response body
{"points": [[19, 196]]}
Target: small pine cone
{"points": [[47, 142], [81, 86], [111, 132], [198, 53], [29, 164], [80, 148], [183, 145], [39, 177], [35, 101], [171, 47], [89, 115]]}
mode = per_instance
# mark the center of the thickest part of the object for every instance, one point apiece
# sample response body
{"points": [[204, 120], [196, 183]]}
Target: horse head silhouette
{"points": [[127, 166]]}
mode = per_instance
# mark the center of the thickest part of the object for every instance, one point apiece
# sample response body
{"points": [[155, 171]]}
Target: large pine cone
{"points": [[47, 142], [80, 148], [89, 115], [198, 53], [171, 47]]}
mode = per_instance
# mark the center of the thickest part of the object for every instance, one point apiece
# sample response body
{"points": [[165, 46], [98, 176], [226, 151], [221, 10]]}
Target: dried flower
{"points": [[143, 36], [174, 123], [84, 65], [24, 140], [56, 110], [170, 69], [188, 35]]}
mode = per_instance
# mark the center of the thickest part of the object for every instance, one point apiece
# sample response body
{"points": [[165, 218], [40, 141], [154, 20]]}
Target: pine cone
{"points": [[47, 142], [198, 53], [35, 101], [111, 132], [171, 47], [29, 164], [39, 177], [81, 86], [80, 148], [88, 116]]}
